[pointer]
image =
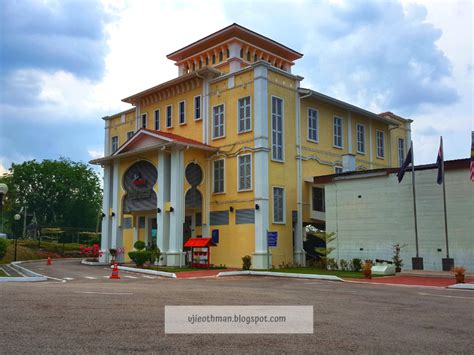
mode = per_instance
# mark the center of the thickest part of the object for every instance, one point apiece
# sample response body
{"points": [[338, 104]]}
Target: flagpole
{"points": [[414, 197], [444, 198]]}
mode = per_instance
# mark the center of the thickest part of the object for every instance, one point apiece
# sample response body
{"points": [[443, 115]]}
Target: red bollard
{"points": [[115, 274], [49, 261]]}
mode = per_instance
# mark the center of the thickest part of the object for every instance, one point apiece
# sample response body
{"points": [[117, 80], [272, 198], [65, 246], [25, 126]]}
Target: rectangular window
{"points": [[245, 216], [401, 151], [218, 175], [360, 138], [157, 120], [277, 129], [144, 120], [312, 125], [218, 121], [114, 144], [244, 115], [182, 112], [380, 144], [338, 169], [197, 107], [130, 134], [169, 116], [219, 218], [278, 205], [337, 130], [245, 172], [318, 199]]}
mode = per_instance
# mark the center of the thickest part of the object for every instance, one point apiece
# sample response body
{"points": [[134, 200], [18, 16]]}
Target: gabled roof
{"points": [[235, 31], [153, 140], [317, 95]]}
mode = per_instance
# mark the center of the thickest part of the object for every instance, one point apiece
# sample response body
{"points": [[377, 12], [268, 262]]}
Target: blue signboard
{"points": [[215, 236], [272, 238]]}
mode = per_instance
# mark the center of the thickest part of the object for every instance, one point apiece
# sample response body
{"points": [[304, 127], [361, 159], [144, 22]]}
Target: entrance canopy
{"points": [[148, 140], [199, 243]]}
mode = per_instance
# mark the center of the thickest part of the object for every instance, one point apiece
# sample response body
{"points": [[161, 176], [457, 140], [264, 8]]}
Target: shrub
{"points": [[344, 264], [155, 253], [139, 245], [139, 257], [331, 264], [92, 252], [3, 247], [356, 264], [246, 262]]}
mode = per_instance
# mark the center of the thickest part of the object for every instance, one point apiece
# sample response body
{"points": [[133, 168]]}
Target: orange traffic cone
{"points": [[115, 274], [49, 261]]}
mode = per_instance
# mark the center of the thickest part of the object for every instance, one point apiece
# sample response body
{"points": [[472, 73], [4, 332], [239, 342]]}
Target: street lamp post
{"points": [[3, 192], [16, 217]]}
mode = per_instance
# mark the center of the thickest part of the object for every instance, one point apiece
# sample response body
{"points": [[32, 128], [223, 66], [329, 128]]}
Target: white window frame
{"points": [[377, 132], [182, 112], [130, 134], [144, 116], [157, 126], [223, 122], [238, 173], [112, 144], [200, 108], [273, 205], [282, 160], [170, 107], [401, 157], [214, 177], [357, 138], [316, 128], [244, 118], [336, 168], [334, 132], [323, 200]]}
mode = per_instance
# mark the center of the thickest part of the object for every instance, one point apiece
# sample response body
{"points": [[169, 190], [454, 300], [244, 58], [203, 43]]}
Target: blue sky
{"points": [[66, 64]]}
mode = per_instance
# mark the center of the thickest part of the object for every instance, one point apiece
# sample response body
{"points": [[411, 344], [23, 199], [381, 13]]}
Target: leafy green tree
{"points": [[60, 193]]}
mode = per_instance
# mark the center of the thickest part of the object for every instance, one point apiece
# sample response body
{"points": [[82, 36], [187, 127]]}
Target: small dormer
{"points": [[231, 49]]}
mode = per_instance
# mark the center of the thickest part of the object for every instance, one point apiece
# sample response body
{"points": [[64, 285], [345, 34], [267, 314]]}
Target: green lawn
{"points": [[316, 271], [28, 250]]}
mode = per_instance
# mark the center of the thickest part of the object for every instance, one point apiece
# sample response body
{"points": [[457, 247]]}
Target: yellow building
{"points": [[229, 149]]}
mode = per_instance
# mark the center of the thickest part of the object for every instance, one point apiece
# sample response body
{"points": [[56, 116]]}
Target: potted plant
{"points": [[367, 269], [246, 262], [397, 260], [459, 274]]}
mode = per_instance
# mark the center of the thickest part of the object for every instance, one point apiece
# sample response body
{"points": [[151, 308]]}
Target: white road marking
{"points": [[445, 296], [105, 276], [130, 277], [17, 271], [149, 277], [90, 277], [104, 293], [5, 271], [68, 278]]}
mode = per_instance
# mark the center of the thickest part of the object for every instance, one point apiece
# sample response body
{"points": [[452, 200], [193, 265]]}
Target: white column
{"points": [[205, 111], [371, 157], [175, 255], [106, 221], [260, 256], [147, 229], [298, 252], [135, 229], [349, 132], [115, 206], [234, 57], [163, 217]]}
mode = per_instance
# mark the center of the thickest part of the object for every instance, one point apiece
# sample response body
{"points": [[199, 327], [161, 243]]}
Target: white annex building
{"points": [[370, 212]]}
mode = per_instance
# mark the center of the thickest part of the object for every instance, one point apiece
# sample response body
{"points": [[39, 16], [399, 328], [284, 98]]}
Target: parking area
{"points": [[100, 315]]}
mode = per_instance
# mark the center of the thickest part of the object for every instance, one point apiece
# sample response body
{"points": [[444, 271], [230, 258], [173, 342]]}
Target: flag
{"points": [[440, 162], [472, 156], [406, 163]]}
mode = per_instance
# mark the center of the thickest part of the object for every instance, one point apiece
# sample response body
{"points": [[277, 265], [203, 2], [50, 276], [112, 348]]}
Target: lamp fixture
{"points": [[257, 207], [158, 210], [231, 209], [171, 209]]}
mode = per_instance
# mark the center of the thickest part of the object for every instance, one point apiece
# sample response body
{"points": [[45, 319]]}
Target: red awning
{"points": [[199, 243]]}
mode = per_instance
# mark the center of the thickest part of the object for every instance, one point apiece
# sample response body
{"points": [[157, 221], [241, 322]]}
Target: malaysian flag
{"points": [[472, 156], [440, 162], [406, 163]]}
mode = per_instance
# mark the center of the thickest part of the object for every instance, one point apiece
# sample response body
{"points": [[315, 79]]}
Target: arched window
{"points": [[213, 59], [221, 56], [248, 56]]}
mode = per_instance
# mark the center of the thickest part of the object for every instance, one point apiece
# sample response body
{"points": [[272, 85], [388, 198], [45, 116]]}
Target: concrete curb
{"points": [[30, 276], [462, 286], [171, 275], [281, 274], [93, 263]]}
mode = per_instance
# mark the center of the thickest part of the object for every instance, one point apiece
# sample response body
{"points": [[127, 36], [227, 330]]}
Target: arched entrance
{"points": [[193, 203]]}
